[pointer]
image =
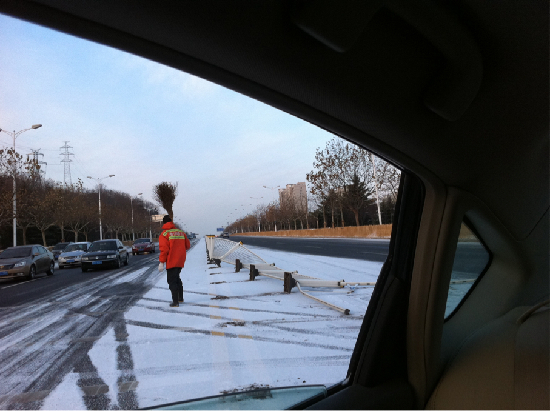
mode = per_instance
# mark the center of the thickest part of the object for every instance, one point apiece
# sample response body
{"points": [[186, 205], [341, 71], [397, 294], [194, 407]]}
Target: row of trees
{"points": [[61, 212], [347, 186]]}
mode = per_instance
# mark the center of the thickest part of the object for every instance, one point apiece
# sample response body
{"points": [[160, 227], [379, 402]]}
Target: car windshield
{"points": [[60, 246], [19, 252], [103, 246], [142, 240], [75, 247]]}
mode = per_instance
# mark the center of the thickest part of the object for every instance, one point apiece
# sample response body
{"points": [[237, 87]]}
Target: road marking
{"points": [[25, 282], [215, 317], [219, 334], [247, 337]]}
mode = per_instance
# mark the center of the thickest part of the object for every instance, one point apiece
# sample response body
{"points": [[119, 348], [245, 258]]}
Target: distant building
{"points": [[296, 192]]}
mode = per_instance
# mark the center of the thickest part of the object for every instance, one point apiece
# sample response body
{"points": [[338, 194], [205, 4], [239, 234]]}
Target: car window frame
{"points": [[466, 221]]}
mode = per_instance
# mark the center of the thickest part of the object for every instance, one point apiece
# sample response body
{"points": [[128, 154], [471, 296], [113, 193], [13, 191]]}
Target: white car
{"points": [[71, 255]]}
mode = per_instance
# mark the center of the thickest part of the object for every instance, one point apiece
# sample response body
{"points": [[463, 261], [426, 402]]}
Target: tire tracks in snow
{"points": [[82, 310]]}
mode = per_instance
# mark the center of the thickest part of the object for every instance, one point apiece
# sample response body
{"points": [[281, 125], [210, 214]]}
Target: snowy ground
{"points": [[230, 334]]}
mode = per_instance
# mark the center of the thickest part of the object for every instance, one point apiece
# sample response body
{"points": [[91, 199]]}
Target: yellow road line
{"points": [[219, 334], [248, 337], [215, 317]]}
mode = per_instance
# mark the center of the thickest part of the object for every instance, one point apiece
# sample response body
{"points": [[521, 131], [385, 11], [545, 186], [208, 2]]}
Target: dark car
{"points": [[225, 235], [143, 245], [58, 249], [105, 253], [26, 262]]}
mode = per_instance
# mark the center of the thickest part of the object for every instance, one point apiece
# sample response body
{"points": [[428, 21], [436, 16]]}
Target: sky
{"points": [[147, 123]]}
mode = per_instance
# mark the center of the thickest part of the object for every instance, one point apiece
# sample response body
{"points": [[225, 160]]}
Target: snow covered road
{"points": [[114, 343]]}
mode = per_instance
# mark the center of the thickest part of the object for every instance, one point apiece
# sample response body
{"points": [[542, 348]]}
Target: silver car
{"points": [[71, 255]]}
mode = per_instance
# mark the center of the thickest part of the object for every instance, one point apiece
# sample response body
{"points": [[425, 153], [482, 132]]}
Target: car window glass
{"points": [[325, 207], [103, 246], [471, 260], [18, 252]]}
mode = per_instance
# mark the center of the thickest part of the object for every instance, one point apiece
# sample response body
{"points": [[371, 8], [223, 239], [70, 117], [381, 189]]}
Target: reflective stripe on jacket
{"points": [[173, 246]]}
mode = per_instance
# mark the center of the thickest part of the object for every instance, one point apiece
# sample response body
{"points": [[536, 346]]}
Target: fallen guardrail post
{"points": [[253, 272], [288, 283], [238, 265]]}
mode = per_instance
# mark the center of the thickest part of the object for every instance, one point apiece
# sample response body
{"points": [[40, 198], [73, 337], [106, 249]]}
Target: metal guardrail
{"points": [[235, 253]]}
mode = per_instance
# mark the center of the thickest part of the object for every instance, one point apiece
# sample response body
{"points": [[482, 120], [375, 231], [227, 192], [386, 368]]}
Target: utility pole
{"points": [[132, 206], [99, 192], [67, 161]]}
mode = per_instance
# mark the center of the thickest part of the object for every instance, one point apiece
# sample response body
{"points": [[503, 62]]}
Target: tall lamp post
{"points": [[132, 206], [99, 191], [14, 135]]}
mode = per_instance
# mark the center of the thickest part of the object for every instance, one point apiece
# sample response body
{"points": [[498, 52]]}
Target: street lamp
{"points": [[14, 135], [132, 206], [99, 191]]}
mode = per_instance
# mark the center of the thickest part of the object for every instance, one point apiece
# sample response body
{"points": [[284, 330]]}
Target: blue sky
{"points": [[147, 123]]}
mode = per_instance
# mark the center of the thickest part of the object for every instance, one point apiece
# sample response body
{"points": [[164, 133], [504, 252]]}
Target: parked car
{"points": [[26, 262], [225, 235], [58, 249], [143, 245], [71, 255], [105, 253]]}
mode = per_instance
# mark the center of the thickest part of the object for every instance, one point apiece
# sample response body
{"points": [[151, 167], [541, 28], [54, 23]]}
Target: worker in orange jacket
{"points": [[173, 245]]}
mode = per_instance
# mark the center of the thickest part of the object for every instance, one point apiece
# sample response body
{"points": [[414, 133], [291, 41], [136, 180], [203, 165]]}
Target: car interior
{"points": [[453, 93]]}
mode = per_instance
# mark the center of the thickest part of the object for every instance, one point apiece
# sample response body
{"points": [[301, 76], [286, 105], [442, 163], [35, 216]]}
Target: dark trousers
{"points": [[174, 283]]}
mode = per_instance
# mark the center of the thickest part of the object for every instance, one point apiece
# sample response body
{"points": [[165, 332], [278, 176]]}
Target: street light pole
{"points": [[132, 206], [99, 191], [15, 135]]}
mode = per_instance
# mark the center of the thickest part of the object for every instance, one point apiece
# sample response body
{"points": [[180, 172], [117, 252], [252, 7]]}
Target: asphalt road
{"points": [[360, 249], [14, 292]]}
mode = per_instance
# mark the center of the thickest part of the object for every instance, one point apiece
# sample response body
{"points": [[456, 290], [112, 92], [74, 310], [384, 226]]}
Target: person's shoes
{"points": [[174, 305]]}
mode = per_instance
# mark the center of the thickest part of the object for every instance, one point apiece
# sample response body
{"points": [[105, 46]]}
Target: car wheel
{"points": [[127, 259], [84, 269], [32, 273], [52, 268], [119, 262]]}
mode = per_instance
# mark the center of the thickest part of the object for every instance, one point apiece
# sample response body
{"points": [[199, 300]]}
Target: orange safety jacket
{"points": [[173, 245]]}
